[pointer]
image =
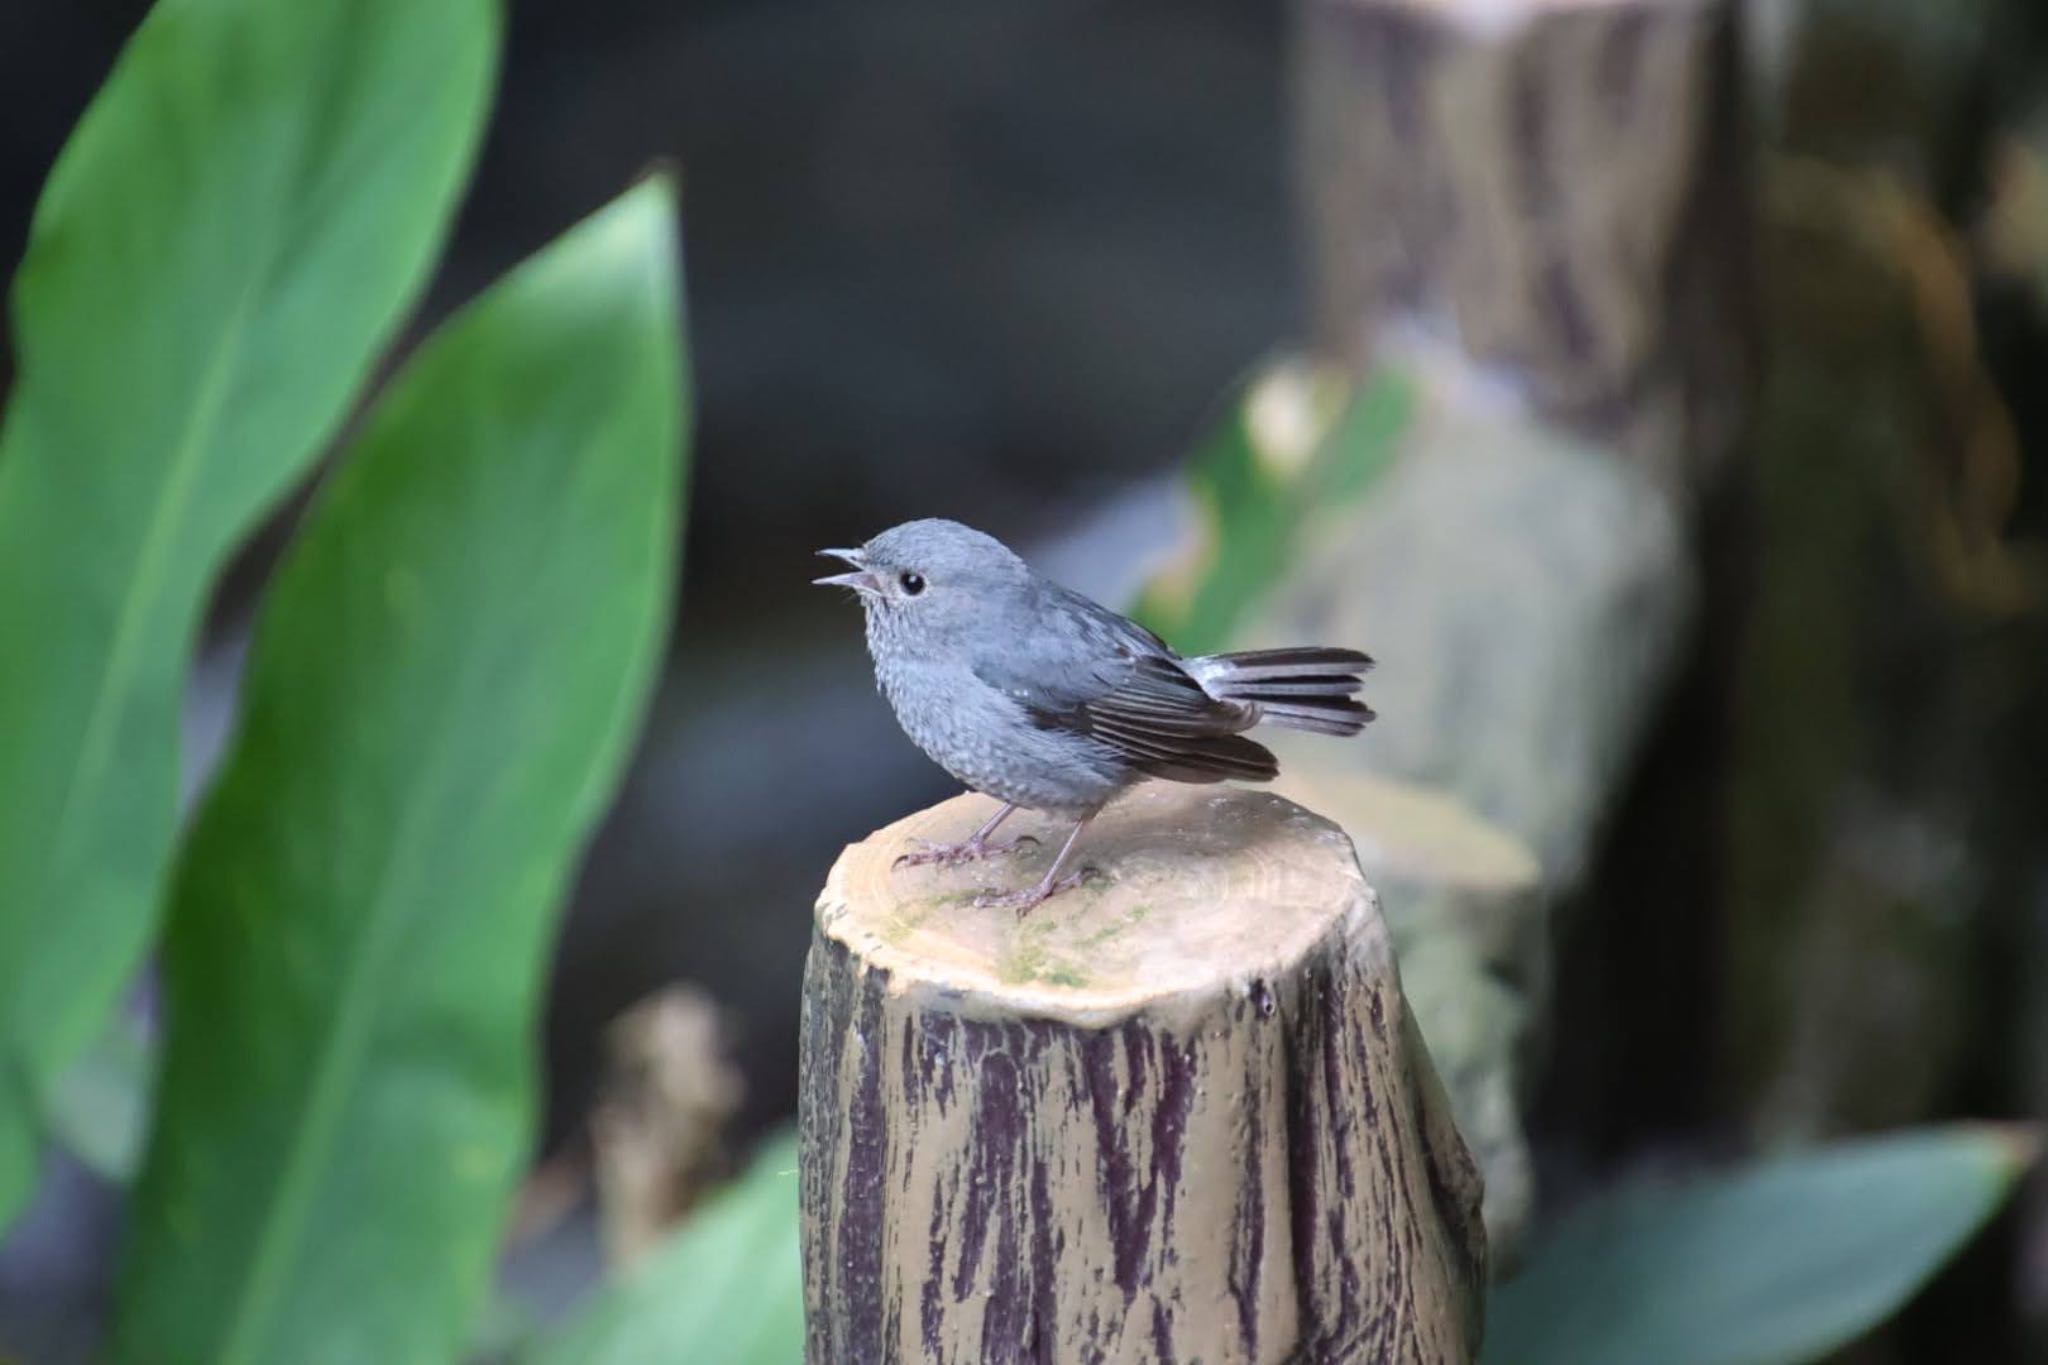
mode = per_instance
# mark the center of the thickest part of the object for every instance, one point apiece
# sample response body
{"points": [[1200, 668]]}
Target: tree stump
{"points": [[1178, 1114]]}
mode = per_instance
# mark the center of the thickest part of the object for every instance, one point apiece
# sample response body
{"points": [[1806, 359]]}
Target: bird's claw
{"points": [[928, 852], [1029, 899]]}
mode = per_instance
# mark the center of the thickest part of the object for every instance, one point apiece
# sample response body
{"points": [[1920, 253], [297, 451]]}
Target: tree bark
{"points": [[1178, 1114], [1551, 189]]}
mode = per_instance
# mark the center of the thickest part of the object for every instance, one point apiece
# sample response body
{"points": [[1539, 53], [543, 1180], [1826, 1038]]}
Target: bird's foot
{"points": [[1029, 899], [967, 851]]}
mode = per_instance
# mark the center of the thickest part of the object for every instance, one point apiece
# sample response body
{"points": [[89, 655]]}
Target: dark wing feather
{"points": [[1090, 672]]}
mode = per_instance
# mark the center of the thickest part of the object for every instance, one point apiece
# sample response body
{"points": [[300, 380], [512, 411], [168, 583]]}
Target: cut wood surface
{"points": [[1179, 1114]]}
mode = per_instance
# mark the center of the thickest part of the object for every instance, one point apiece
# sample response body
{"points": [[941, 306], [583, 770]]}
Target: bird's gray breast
{"points": [[988, 740]]}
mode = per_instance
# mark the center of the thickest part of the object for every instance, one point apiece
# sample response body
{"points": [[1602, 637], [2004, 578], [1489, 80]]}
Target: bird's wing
{"points": [[1090, 672]]}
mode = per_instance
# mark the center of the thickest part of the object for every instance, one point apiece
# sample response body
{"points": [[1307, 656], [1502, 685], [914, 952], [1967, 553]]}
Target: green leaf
{"points": [[1772, 1264], [99, 1107], [1295, 446], [727, 1289], [237, 225], [441, 692]]}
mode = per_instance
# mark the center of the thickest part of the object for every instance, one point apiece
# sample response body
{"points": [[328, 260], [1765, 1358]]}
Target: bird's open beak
{"points": [[859, 581]]}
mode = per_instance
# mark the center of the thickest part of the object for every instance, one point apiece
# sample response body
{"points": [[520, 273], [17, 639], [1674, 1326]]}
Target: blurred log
{"points": [[1885, 806], [1525, 595], [658, 1131], [1883, 771], [1552, 189], [1177, 1114], [1883, 766]]}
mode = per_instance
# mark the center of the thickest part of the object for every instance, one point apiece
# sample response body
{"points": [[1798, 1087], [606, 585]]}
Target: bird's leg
{"points": [[976, 845], [1050, 885]]}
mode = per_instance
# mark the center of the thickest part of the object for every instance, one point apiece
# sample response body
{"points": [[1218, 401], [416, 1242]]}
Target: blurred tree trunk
{"points": [[1552, 191], [1895, 636], [1885, 811]]}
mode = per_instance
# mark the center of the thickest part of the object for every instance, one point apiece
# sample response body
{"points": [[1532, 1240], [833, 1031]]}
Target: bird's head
{"points": [[929, 576]]}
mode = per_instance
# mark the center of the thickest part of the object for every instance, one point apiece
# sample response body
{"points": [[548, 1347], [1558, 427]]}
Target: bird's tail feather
{"points": [[1308, 687]]}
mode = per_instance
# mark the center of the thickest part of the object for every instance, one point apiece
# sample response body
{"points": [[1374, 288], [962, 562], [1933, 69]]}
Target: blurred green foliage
{"points": [[727, 1289], [1294, 446], [233, 232], [99, 1108], [1773, 1264], [446, 674]]}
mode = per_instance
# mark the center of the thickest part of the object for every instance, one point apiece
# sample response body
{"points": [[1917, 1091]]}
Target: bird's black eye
{"points": [[913, 584]]}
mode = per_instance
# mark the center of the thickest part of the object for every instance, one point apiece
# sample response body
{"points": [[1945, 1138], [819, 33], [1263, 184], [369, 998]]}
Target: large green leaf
{"points": [[99, 1108], [441, 691], [727, 1289], [1774, 1264], [240, 220]]}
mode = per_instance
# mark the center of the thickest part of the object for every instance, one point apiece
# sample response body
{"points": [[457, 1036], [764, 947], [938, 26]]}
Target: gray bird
{"points": [[1035, 695]]}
